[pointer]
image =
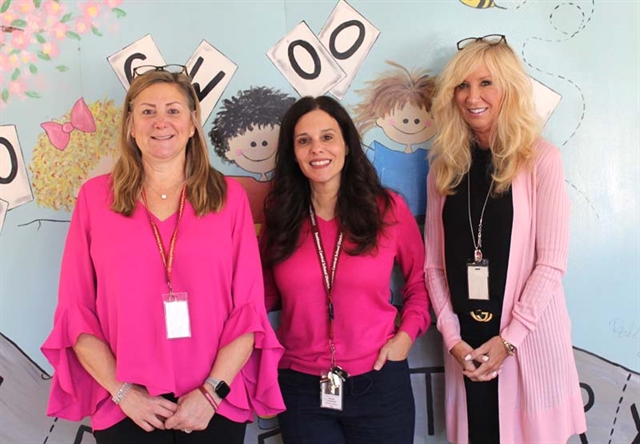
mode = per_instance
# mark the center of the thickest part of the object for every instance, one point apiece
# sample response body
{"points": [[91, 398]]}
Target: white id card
{"points": [[478, 280], [331, 392], [176, 315]]}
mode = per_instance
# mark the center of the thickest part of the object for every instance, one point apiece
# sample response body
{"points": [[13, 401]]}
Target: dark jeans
{"points": [[378, 407], [219, 431]]}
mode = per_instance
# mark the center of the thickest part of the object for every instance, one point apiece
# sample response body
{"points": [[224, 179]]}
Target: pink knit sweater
{"points": [[539, 394]]}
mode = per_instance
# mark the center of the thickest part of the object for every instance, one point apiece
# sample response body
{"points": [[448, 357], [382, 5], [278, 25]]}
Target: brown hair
{"points": [[206, 187]]}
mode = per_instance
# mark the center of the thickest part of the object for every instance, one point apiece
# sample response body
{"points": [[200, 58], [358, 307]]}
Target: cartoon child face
{"points": [[255, 151], [408, 125]]}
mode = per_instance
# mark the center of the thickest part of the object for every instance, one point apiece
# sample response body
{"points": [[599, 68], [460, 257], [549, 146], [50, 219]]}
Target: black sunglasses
{"points": [[491, 39], [172, 68]]}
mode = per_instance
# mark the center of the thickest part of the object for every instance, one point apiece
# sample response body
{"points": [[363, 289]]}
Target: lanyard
{"points": [[477, 252], [167, 258], [327, 278]]}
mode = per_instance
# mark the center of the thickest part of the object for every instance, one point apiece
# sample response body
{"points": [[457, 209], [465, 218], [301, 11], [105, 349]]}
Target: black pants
{"points": [[219, 431], [378, 407], [482, 397]]}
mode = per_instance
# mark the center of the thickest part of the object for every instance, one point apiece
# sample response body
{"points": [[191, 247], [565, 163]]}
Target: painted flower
{"points": [[112, 3], [53, 8], [13, 61], [27, 57], [50, 49], [20, 39], [25, 7], [59, 30], [35, 22], [82, 25], [18, 88], [90, 10]]}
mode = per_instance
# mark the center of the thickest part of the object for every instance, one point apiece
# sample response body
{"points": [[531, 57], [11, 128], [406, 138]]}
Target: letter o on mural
{"points": [[354, 47], [317, 66], [13, 162]]}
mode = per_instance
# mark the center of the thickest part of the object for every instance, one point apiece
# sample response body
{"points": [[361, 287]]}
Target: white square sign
{"points": [[15, 188], [304, 61], [210, 71], [141, 52], [349, 37]]}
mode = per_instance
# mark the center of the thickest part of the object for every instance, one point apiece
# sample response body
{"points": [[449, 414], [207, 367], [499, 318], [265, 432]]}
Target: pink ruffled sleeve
{"points": [[260, 373], [74, 393]]}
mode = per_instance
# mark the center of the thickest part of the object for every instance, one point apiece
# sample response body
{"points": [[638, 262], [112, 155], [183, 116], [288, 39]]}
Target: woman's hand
{"points": [[396, 349], [148, 412], [461, 351], [194, 412], [490, 355]]}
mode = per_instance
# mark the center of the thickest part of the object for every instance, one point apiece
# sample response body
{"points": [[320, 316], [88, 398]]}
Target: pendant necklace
{"points": [[164, 196]]}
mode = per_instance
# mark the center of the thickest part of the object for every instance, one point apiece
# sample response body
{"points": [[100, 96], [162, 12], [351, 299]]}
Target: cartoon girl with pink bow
{"points": [[80, 145]]}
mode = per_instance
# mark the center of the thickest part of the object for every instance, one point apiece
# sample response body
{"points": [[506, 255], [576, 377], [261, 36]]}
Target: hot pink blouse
{"points": [[111, 286]]}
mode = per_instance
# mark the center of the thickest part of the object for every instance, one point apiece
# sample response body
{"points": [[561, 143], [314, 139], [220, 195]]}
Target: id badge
{"points": [[478, 280], [331, 391], [176, 315]]}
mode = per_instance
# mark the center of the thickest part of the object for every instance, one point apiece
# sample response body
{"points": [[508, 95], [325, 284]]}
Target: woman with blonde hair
{"points": [[160, 328], [497, 238]]}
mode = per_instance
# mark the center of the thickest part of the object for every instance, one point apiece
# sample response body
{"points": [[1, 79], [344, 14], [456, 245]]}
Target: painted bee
{"points": [[480, 4]]}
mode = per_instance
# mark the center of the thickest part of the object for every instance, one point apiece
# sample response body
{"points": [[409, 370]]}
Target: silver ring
{"points": [[187, 430]]}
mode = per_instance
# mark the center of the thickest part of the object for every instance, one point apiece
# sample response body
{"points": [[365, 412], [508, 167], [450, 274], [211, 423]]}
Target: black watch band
{"points": [[221, 388]]}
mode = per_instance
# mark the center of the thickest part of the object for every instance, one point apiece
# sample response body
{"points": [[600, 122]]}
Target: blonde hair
{"points": [[513, 133], [206, 187], [393, 90]]}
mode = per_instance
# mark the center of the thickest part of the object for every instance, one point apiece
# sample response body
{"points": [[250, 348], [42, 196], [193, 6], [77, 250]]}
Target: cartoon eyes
{"points": [[254, 144], [415, 121]]}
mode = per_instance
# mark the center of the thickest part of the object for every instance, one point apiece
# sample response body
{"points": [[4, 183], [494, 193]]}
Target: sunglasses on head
{"points": [[491, 39], [172, 68]]}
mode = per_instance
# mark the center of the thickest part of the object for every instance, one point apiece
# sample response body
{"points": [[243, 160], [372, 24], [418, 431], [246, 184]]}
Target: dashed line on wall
{"points": [[615, 419]]}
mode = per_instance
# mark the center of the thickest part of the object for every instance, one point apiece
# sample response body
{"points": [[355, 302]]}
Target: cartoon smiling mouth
{"points": [[410, 134], [259, 160]]}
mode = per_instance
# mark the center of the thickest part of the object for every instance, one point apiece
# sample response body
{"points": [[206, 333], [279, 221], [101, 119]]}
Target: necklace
{"points": [[164, 196], [477, 253]]}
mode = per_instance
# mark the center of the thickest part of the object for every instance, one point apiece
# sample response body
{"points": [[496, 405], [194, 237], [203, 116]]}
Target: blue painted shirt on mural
{"points": [[404, 173]]}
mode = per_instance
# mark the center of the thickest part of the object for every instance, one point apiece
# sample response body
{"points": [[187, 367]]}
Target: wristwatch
{"points": [[221, 388]]}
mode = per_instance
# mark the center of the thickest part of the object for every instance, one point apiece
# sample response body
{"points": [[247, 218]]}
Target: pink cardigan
{"points": [[539, 394]]}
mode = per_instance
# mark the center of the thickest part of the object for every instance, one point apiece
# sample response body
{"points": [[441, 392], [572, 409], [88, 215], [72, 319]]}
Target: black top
{"points": [[496, 236]]}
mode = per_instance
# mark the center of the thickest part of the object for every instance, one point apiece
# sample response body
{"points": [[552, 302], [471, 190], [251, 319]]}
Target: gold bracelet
{"points": [[511, 350]]}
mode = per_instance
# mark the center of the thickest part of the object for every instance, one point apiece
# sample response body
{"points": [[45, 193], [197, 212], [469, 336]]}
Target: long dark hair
{"points": [[362, 200]]}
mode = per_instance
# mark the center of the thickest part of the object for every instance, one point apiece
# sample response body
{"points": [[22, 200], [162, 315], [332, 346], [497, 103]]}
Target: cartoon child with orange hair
{"points": [[399, 102]]}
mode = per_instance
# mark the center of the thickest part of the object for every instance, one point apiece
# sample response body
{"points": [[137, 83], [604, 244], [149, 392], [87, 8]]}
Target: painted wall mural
{"points": [[245, 133], [33, 33], [65, 67], [399, 102]]}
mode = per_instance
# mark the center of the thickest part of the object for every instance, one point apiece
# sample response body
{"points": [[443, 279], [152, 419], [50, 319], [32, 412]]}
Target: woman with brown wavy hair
{"points": [[331, 237], [160, 328]]}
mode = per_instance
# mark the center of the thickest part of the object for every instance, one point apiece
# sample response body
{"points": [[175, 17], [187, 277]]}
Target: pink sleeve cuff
{"points": [[450, 332], [74, 393], [514, 333], [260, 374]]}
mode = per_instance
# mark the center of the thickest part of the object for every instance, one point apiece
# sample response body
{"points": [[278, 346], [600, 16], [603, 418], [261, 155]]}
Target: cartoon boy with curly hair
{"points": [[399, 102], [245, 132]]}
